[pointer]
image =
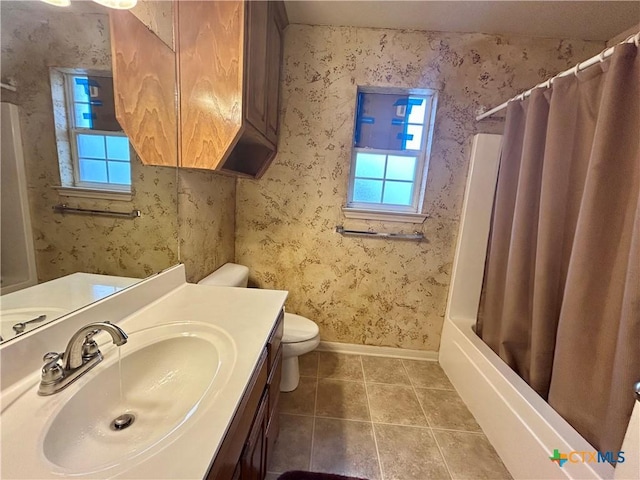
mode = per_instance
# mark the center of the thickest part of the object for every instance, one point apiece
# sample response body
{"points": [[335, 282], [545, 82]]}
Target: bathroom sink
{"points": [[163, 376]]}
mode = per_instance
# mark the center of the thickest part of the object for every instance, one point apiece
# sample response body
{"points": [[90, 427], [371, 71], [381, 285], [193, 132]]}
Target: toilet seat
{"points": [[298, 329]]}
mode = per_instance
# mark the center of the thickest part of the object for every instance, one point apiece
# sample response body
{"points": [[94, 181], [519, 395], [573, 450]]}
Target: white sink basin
{"points": [[168, 374]]}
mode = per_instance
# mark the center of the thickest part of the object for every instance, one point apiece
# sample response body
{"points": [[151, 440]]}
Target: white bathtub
{"points": [[522, 427]]}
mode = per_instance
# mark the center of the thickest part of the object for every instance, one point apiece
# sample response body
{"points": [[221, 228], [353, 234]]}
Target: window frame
{"points": [[75, 131], [381, 211]]}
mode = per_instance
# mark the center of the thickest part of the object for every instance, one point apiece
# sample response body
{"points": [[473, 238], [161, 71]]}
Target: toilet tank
{"points": [[228, 275]]}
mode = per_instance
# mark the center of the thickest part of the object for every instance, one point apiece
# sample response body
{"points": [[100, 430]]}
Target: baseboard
{"points": [[375, 351]]}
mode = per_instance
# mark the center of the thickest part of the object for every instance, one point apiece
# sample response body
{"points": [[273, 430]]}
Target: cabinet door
{"points": [[253, 457], [275, 32], [256, 65]]}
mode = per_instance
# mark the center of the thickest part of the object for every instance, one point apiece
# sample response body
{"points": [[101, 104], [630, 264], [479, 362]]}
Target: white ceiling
{"points": [[586, 20]]}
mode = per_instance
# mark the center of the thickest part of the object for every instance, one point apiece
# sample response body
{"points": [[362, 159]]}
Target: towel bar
{"points": [[398, 236], [64, 208]]}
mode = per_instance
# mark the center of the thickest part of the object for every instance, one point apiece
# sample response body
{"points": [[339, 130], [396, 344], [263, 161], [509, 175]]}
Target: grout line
{"points": [[373, 429], [474, 432], [315, 408], [444, 460]]}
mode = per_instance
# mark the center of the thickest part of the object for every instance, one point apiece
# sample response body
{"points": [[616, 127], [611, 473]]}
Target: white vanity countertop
{"points": [[246, 316]]}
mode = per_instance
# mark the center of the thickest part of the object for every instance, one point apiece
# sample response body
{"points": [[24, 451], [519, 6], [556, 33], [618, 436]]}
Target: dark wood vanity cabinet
{"points": [[247, 447]]}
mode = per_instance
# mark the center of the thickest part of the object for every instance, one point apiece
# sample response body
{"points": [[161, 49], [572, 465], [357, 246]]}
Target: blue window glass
{"points": [[81, 89], [83, 115], [118, 148], [371, 166], [368, 191], [414, 137], [401, 168], [91, 146], [417, 110], [398, 193], [119, 172], [93, 170]]}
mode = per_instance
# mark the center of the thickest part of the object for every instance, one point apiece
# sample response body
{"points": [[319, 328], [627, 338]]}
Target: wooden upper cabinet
{"points": [[256, 65], [144, 88], [275, 41], [228, 56], [229, 82]]}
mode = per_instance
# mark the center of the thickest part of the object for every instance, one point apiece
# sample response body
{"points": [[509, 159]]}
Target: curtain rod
{"points": [[577, 68]]}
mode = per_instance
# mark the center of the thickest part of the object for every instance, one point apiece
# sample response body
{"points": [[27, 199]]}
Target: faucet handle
{"points": [[90, 347], [51, 356], [52, 370]]}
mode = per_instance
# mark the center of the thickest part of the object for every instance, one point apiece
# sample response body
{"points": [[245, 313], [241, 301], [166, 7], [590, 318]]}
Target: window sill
{"points": [[97, 193], [405, 217]]}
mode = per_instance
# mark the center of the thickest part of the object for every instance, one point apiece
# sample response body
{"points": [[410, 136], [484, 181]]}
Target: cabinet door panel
{"points": [[253, 457], [274, 61], [256, 65]]}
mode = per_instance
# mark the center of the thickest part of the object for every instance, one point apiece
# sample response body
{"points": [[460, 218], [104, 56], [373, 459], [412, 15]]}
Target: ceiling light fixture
{"points": [[58, 3], [117, 4]]}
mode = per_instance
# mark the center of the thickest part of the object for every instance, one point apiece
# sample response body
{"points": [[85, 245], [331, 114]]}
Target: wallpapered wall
{"points": [[371, 291], [207, 203], [36, 36]]}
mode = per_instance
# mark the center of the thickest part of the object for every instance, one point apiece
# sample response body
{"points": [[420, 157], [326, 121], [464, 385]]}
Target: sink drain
{"points": [[123, 421]]}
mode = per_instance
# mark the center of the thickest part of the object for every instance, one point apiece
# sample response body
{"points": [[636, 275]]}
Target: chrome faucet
{"points": [[81, 355]]}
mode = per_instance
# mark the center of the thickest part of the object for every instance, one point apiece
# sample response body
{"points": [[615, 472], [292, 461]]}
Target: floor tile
{"points": [[302, 401], [339, 366], [293, 447], [341, 399], [427, 374], [344, 447], [384, 370], [445, 409], [470, 456], [395, 404], [409, 453], [308, 364]]}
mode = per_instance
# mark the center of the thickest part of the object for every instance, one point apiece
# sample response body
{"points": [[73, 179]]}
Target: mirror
{"points": [[58, 61]]}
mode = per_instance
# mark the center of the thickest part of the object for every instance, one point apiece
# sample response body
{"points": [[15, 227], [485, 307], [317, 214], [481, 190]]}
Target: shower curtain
{"points": [[561, 295]]}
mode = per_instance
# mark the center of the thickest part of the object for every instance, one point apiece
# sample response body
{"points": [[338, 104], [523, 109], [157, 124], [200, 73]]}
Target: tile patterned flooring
{"points": [[381, 419]]}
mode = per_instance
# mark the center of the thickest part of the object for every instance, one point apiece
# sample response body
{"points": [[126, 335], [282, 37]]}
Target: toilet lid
{"points": [[298, 329]]}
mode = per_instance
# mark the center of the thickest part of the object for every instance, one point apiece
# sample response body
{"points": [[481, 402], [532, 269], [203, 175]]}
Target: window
{"points": [[392, 139], [98, 151]]}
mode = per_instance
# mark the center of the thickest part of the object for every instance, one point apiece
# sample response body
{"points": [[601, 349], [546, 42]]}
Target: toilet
{"points": [[301, 335]]}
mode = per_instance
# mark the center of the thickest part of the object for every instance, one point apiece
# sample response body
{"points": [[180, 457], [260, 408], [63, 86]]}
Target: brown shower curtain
{"points": [[561, 293]]}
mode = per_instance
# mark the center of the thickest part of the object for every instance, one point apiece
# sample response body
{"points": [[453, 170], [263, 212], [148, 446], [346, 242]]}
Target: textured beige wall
{"points": [[207, 202], [36, 36], [371, 291]]}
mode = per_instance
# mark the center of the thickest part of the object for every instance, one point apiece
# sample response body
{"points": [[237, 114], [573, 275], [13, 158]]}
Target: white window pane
{"points": [[416, 141], [120, 173], [81, 89], [91, 146], [93, 170], [369, 165], [369, 191], [401, 168], [83, 115], [397, 193], [117, 148], [417, 111]]}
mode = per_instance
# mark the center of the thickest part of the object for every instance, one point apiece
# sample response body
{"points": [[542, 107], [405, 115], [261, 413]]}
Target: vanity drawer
{"points": [[275, 339]]}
